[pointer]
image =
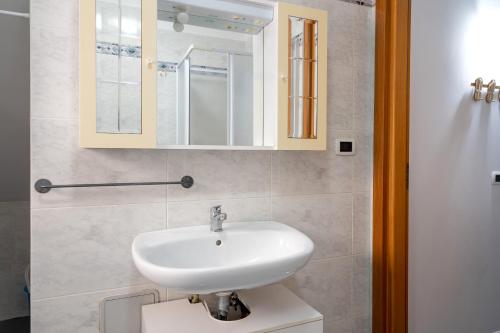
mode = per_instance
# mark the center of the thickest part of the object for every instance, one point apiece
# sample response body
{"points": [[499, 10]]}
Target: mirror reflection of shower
{"points": [[214, 97], [210, 74]]}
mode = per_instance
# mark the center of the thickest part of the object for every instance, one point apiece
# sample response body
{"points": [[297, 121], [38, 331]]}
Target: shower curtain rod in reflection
{"points": [[192, 48], [11, 13]]}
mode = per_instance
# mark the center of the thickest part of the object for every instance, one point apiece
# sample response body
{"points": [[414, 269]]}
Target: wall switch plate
{"points": [[345, 147], [122, 313], [495, 177]]}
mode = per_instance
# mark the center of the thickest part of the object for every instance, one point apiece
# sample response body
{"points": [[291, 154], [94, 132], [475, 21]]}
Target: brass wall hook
{"points": [[478, 88], [478, 85], [492, 86]]}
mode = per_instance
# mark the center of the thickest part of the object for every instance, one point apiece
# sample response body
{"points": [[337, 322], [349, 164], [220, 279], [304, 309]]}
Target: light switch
{"points": [[345, 147], [495, 178]]}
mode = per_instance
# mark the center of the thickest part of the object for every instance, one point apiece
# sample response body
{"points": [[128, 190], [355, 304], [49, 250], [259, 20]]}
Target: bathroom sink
{"points": [[244, 255]]}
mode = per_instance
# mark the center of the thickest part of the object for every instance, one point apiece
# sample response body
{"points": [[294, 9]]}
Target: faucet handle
{"points": [[215, 210], [216, 218]]}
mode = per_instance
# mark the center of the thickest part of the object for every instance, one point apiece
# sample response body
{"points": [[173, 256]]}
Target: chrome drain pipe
{"points": [[224, 301]]}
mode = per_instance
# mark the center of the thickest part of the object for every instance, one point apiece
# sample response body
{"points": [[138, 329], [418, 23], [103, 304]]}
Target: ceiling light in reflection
{"points": [[178, 26], [182, 18]]}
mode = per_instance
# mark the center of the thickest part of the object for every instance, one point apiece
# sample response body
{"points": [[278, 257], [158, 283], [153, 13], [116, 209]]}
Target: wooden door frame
{"points": [[390, 181]]}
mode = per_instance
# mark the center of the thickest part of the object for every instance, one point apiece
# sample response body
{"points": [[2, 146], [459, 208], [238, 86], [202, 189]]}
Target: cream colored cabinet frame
{"points": [[283, 142], [89, 138], [275, 82]]}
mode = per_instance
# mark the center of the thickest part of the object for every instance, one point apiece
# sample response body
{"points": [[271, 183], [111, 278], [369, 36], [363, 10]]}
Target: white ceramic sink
{"points": [[250, 254]]}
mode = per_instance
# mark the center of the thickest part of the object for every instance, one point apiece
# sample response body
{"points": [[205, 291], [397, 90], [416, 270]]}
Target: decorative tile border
{"points": [[115, 49], [131, 51], [165, 66], [135, 52]]}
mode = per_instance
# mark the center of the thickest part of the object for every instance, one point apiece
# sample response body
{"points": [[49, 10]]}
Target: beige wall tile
{"points": [[220, 174], [188, 213], [326, 286], [362, 325], [54, 72], [338, 326], [363, 163], [361, 285], [76, 313], [340, 97], [56, 155], [55, 14], [363, 101], [362, 223], [299, 173], [326, 219], [84, 249]]}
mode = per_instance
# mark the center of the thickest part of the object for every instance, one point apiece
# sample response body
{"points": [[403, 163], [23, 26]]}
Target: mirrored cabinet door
{"points": [[118, 66], [302, 52], [210, 73], [117, 73], [303, 73]]}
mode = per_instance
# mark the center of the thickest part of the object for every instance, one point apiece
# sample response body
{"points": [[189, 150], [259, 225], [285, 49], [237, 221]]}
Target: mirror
{"points": [[210, 73], [118, 66], [209, 63], [303, 72]]}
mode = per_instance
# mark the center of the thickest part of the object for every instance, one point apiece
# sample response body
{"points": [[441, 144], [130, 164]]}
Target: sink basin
{"points": [[245, 255]]}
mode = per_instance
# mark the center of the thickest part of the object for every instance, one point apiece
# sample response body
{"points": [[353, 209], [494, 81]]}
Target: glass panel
{"points": [[208, 98], [107, 104], [303, 68], [130, 103], [118, 66], [241, 101]]}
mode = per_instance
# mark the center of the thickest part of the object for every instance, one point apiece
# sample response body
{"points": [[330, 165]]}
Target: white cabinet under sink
{"points": [[314, 327], [273, 309]]}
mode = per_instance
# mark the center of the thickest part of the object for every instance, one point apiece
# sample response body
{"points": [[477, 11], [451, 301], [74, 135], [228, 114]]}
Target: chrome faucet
{"points": [[216, 218]]}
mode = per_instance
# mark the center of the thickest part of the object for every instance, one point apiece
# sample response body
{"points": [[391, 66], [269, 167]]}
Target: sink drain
{"points": [[218, 242], [226, 306]]}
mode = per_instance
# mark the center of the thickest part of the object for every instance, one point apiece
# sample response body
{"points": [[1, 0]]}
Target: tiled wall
{"points": [[81, 237], [14, 258]]}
